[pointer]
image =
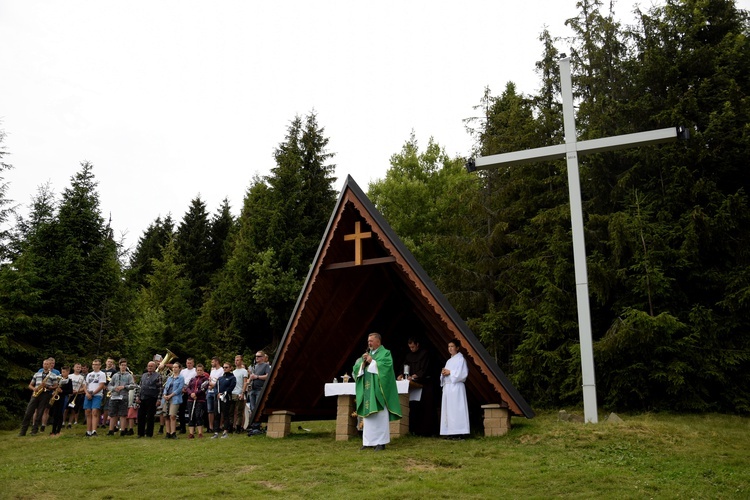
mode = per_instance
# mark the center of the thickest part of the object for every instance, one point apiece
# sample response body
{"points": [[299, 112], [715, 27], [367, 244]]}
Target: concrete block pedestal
{"points": [[496, 420], [279, 424]]}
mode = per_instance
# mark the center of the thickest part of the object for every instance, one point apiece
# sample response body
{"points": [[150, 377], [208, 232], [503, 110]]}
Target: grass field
{"points": [[647, 456]]}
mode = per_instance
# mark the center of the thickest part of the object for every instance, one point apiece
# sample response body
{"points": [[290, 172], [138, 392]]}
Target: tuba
{"points": [[168, 358]]}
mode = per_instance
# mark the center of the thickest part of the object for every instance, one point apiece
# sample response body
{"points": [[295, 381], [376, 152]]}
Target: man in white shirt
{"points": [[211, 403], [238, 394], [76, 398], [96, 381]]}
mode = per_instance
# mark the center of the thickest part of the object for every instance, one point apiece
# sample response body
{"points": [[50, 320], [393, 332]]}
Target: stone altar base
{"points": [[279, 424], [496, 420]]}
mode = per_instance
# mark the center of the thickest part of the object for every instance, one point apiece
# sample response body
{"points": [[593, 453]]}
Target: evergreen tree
{"points": [[150, 246], [679, 236], [665, 226], [231, 320], [301, 197], [193, 244], [6, 207], [301, 188], [222, 225], [61, 293], [283, 218], [164, 315]]}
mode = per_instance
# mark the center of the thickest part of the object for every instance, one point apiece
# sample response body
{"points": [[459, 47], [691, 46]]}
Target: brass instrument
{"points": [[55, 396], [168, 357], [109, 379], [74, 396], [39, 390], [58, 390]]}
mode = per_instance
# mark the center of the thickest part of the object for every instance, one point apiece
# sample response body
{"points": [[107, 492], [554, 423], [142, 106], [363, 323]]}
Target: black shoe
{"points": [[42, 429], [130, 432], [111, 433], [161, 430], [365, 448], [380, 447]]}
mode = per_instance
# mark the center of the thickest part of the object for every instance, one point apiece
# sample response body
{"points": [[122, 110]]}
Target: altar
{"points": [[346, 424]]}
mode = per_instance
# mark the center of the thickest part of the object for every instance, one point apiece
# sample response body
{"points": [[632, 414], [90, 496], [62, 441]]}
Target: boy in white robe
{"points": [[454, 416]]}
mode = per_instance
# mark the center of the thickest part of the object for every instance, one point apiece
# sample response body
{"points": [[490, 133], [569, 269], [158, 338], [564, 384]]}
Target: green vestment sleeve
{"points": [[377, 391]]}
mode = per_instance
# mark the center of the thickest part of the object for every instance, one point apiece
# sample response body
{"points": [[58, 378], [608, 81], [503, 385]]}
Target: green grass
{"points": [[649, 456]]}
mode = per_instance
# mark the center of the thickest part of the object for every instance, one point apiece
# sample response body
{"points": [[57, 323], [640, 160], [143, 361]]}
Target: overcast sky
{"points": [[174, 99]]}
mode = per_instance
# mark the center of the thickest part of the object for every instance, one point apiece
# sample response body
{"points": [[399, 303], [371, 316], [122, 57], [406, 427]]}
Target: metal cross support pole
{"points": [[571, 150]]}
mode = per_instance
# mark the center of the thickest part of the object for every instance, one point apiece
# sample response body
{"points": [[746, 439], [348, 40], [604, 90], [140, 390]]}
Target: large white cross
{"points": [[571, 150]]}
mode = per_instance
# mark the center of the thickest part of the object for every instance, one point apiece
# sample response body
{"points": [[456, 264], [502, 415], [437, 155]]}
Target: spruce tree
{"points": [[222, 226], [150, 246], [278, 231], [6, 206], [193, 244]]}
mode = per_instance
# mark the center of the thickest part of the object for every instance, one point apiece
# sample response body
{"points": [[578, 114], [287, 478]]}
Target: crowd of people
{"points": [[180, 399], [221, 398]]}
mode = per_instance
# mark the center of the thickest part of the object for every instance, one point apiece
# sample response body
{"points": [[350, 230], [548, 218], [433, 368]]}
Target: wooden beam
{"points": [[365, 262]]}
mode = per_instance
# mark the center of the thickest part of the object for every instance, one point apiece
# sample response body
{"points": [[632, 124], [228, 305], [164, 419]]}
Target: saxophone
{"points": [[109, 379], [39, 390], [55, 395]]}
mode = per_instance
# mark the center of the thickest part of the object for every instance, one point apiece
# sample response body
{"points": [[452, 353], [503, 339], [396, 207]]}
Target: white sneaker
{"points": [[225, 435], [216, 434]]}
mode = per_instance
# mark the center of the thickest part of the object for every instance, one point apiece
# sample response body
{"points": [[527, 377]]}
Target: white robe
{"points": [[376, 428], [454, 416]]}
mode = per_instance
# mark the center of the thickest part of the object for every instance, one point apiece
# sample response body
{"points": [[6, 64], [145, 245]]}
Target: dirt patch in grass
{"points": [[418, 465], [530, 438], [271, 486]]}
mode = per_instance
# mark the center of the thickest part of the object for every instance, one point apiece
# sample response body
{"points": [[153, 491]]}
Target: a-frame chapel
{"points": [[363, 279]]}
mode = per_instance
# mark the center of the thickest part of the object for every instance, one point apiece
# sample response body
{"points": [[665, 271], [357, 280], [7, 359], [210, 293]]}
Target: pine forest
{"points": [[667, 231]]}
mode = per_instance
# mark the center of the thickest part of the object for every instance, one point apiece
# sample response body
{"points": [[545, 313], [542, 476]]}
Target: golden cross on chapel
{"points": [[357, 236]]}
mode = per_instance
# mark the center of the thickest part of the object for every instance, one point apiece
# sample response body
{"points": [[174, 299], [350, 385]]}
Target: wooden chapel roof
{"points": [[351, 292]]}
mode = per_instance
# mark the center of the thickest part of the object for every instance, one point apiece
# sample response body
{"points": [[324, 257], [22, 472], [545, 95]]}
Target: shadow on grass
{"points": [[302, 435]]}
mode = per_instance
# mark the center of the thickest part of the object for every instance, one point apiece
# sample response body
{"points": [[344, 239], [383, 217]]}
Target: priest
{"points": [[377, 395]]}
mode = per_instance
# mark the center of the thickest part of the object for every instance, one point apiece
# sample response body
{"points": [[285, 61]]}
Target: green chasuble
{"points": [[377, 391]]}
